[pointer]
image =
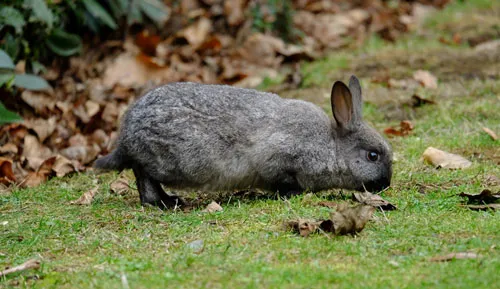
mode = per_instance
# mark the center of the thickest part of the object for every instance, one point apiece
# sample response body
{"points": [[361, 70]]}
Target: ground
{"points": [[115, 242]]}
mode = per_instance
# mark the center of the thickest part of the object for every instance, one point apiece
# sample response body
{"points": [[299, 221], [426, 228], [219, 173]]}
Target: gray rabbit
{"points": [[216, 137]]}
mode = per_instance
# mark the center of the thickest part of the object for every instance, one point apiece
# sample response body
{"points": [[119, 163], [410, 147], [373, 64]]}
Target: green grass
{"points": [[245, 246]]}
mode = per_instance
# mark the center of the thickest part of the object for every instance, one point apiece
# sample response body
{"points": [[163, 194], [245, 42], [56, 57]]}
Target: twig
{"points": [[30, 264]]}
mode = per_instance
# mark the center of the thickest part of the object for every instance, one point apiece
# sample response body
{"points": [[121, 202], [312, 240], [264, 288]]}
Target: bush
{"points": [[34, 30]]}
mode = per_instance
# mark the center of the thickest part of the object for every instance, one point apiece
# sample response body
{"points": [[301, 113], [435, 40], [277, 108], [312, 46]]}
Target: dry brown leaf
{"points": [[490, 133], [100, 138], [41, 175], [303, 227], [418, 101], [374, 200], [455, 256], [62, 166], [442, 159], [405, 127], [30, 264], [346, 220], [425, 78], [43, 128], [120, 186], [485, 197], [129, 71], [40, 101], [77, 140], [351, 220], [8, 148], [6, 174], [83, 154], [213, 207], [110, 112], [328, 29], [196, 33], [34, 152], [234, 12], [86, 198], [492, 180], [147, 41], [483, 207], [92, 108]]}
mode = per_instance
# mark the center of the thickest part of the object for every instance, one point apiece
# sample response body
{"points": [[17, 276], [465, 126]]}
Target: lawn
{"points": [[116, 243]]}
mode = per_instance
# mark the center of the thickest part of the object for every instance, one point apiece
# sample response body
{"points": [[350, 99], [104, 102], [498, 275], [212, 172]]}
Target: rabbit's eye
{"points": [[372, 156]]}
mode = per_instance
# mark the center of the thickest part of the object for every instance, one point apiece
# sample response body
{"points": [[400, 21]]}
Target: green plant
{"points": [[9, 78], [35, 30], [275, 16]]}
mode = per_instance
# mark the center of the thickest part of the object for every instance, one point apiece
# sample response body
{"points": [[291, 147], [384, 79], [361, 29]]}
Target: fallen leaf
{"points": [[303, 227], [483, 207], [196, 246], [92, 108], [234, 12], [425, 78], [196, 33], [490, 133], [147, 42], [34, 152], [38, 100], [30, 264], [492, 180], [346, 220], [405, 127], [442, 159], [455, 256], [418, 101], [83, 154], [8, 148], [34, 179], [6, 174], [485, 197], [129, 71], [62, 166], [86, 198], [373, 200], [120, 186], [213, 207], [351, 220], [43, 128]]}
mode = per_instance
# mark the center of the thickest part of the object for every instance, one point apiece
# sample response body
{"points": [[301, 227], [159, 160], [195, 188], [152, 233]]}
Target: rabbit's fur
{"points": [[216, 137]]}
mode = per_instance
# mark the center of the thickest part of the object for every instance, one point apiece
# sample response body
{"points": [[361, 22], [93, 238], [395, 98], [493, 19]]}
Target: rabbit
{"points": [[217, 137]]}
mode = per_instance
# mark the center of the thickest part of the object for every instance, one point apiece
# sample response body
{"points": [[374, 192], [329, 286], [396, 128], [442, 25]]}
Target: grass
{"points": [[245, 246]]}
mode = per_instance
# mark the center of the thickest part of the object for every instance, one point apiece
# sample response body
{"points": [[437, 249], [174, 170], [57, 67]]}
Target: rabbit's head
{"points": [[364, 157]]}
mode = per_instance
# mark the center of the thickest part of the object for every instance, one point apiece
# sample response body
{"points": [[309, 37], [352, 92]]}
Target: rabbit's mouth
{"points": [[375, 186]]}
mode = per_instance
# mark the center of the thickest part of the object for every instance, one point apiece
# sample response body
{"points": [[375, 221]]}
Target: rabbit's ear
{"points": [[357, 101], [341, 99]]}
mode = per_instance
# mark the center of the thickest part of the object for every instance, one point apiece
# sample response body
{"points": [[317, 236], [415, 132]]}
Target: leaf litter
{"points": [[482, 201], [455, 256], [345, 220], [373, 200], [442, 159], [213, 207], [86, 198], [405, 128]]}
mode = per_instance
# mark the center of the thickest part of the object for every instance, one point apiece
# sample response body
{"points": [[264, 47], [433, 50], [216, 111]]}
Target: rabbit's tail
{"points": [[116, 160]]}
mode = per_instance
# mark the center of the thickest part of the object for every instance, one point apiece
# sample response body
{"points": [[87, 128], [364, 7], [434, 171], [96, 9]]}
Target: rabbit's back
{"points": [[189, 135]]}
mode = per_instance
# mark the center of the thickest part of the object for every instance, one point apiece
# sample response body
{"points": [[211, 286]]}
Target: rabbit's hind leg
{"points": [[152, 193]]}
